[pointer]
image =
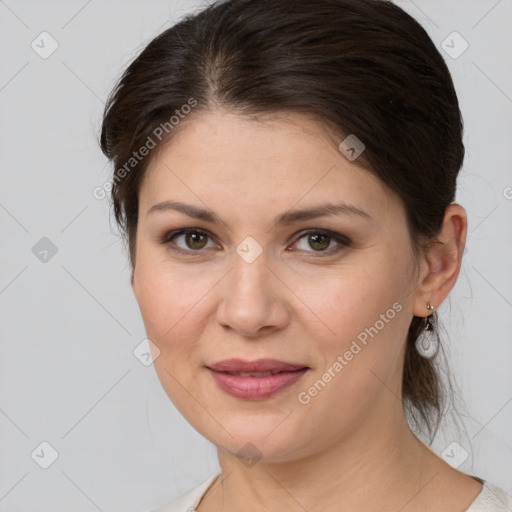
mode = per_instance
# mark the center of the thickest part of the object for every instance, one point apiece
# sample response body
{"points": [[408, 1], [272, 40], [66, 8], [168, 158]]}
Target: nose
{"points": [[254, 299]]}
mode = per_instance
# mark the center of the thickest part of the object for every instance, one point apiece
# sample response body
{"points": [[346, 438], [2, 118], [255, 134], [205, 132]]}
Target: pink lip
{"points": [[255, 388], [259, 365]]}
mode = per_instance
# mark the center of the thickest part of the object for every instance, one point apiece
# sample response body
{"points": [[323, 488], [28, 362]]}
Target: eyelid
{"points": [[342, 240]]}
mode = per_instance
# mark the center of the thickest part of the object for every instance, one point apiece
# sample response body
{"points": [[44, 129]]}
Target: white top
{"points": [[490, 499]]}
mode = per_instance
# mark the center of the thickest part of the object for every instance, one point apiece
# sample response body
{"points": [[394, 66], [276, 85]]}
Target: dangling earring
{"points": [[427, 343]]}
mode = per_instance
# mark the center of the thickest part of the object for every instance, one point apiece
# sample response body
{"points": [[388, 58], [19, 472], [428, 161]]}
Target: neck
{"points": [[380, 466]]}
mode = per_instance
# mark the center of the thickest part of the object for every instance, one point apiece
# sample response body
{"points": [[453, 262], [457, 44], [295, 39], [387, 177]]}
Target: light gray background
{"points": [[68, 375]]}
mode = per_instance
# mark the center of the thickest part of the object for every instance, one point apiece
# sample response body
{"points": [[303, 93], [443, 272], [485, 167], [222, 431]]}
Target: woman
{"points": [[285, 175]]}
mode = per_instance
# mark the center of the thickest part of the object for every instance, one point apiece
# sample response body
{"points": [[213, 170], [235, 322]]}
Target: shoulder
{"points": [[188, 501], [491, 499]]}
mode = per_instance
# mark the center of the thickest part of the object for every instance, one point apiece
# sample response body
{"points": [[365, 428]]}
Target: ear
{"points": [[441, 262]]}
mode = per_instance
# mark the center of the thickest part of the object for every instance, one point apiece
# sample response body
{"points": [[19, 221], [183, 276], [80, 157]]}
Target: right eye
{"points": [[194, 240]]}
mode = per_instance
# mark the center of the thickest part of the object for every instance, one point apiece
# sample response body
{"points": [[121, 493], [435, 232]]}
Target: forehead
{"points": [[230, 161]]}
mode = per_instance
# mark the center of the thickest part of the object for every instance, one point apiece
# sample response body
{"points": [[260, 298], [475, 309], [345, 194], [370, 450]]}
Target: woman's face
{"points": [[246, 286]]}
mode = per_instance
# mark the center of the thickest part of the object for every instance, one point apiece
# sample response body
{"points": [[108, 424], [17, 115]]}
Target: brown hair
{"points": [[363, 67]]}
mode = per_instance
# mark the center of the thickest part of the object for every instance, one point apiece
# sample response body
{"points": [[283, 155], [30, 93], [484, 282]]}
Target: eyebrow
{"points": [[286, 218]]}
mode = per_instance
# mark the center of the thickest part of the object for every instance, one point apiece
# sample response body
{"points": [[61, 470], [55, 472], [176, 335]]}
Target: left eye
{"points": [[320, 240], [196, 240]]}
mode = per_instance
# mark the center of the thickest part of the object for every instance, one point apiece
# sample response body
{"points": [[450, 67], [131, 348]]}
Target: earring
{"points": [[427, 343]]}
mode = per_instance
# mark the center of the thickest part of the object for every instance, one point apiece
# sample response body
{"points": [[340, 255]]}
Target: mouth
{"points": [[258, 366], [256, 380], [255, 374]]}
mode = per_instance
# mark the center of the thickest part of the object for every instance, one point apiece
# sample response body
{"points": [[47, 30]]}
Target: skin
{"points": [[350, 447]]}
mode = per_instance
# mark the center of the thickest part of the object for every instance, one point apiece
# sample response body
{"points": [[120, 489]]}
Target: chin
{"points": [[258, 435]]}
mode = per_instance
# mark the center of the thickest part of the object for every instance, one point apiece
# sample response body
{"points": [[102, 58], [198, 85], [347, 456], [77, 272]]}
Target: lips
{"points": [[255, 380], [254, 374], [237, 366]]}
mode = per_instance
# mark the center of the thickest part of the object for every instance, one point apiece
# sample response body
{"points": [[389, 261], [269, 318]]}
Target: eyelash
{"points": [[342, 241]]}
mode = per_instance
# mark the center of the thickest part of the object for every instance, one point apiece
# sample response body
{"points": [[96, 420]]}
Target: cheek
{"points": [[353, 300], [171, 303], [171, 309], [367, 318]]}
